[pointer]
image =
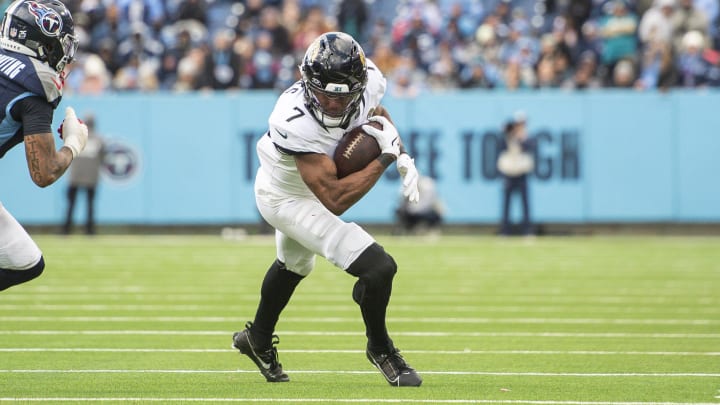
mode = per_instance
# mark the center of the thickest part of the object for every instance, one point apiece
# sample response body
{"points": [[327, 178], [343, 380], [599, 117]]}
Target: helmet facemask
{"points": [[64, 54], [333, 108]]}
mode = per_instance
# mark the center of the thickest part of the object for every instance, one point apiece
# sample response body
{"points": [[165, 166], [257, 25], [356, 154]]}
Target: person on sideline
{"points": [[84, 176], [298, 192], [425, 216], [37, 41], [515, 162]]}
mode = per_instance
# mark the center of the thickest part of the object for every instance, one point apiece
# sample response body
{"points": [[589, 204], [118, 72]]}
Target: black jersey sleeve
{"points": [[35, 113]]}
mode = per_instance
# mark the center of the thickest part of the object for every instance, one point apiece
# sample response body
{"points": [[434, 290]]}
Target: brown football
{"points": [[355, 150]]}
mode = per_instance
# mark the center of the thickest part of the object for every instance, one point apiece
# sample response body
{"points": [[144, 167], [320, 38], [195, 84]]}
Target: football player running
{"points": [[298, 192], [36, 43]]}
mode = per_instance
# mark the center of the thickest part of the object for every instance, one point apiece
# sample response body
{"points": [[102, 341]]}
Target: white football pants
{"points": [[304, 228], [17, 250]]}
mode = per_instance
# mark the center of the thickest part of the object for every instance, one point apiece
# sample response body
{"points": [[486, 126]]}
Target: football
{"points": [[355, 150]]}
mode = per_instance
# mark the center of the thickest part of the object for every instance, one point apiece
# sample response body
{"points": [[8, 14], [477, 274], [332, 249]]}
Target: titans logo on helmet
{"points": [[47, 19]]}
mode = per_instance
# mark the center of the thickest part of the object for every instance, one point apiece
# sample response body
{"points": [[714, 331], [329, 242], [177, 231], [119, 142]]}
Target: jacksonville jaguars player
{"points": [[36, 43], [298, 192]]}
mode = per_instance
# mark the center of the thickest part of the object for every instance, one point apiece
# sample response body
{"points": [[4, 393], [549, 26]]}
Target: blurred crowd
{"points": [[420, 45]]}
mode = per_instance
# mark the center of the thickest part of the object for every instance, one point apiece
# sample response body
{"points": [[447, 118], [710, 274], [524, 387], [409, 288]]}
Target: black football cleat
{"points": [[394, 368], [266, 360]]}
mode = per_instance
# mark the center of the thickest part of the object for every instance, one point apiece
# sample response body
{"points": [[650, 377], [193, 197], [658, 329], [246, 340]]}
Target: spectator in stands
{"points": [[191, 10], [222, 64], [516, 77], [107, 29], [446, 38], [444, 70], [624, 74], [147, 13], [584, 76], [617, 30], [656, 25], [140, 45], [474, 76], [711, 10], [262, 70], [384, 57], [694, 69], [658, 67], [407, 81], [688, 18], [546, 75], [270, 23], [94, 77], [312, 25], [352, 16]]}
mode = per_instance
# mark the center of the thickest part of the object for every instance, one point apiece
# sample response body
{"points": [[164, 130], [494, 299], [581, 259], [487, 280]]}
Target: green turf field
{"points": [[602, 320]]}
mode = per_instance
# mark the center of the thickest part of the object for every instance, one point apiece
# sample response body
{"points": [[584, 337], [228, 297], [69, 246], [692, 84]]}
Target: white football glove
{"points": [[74, 132], [387, 138], [410, 176]]}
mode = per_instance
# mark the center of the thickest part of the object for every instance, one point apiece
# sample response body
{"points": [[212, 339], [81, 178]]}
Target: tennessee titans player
{"points": [[36, 43]]}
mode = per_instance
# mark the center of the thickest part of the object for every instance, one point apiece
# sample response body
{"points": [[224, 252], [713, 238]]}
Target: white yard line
{"points": [[433, 320], [479, 308], [344, 400], [354, 351], [611, 335], [96, 293], [460, 373]]}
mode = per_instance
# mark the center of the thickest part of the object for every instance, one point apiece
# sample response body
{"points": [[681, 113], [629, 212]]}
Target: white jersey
{"points": [[293, 130]]}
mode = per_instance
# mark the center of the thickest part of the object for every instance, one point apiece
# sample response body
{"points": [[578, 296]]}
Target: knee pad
{"points": [[358, 292], [374, 266]]}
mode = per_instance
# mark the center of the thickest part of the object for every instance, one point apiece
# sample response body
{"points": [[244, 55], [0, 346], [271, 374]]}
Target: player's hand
{"points": [[387, 138], [73, 132], [410, 176]]}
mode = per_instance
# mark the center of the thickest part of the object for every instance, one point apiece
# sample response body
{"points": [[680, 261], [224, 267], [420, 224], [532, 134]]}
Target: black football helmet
{"points": [[43, 29], [334, 72]]}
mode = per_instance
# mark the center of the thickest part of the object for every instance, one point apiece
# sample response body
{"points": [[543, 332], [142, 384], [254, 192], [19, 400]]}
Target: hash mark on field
{"points": [[354, 351], [462, 373]]}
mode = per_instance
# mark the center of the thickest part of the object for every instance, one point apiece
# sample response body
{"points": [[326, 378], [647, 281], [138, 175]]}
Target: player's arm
{"points": [[319, 173], [45, 163]]}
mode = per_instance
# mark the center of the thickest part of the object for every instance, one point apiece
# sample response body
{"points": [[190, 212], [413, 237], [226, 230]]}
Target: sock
{"points": [[375, 270], [277, 288]]}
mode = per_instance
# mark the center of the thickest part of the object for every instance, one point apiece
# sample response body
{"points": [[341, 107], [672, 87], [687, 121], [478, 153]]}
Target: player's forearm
{"points": [[46, 165], [349, 190]]}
